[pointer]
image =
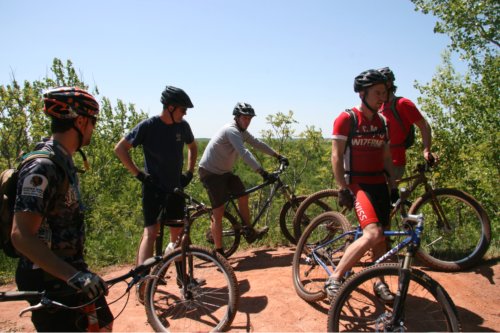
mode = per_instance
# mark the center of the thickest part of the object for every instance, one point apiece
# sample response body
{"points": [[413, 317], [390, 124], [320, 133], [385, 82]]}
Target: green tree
{"points": [[112, 197], [463, 108]]}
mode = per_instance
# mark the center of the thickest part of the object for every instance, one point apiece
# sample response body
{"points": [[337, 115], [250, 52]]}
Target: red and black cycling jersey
{"points": [[364, 154], [409, 115]]}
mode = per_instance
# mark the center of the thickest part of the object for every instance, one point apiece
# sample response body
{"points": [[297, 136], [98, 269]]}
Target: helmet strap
{"points": [[236, 118], [86, 165], [80, 136], [170, 114], [368, 106]]}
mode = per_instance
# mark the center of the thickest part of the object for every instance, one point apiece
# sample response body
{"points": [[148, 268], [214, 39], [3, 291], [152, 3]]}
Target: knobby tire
{"points": [[231, 235], [311, 207], [213, 299], [469, 238], [427, 308], [309, 276]]}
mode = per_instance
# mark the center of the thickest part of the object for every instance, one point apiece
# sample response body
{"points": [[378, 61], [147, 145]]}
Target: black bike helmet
{"points": [[69, 103], [175, 97], [244, 109], [388, 73], [367, 79]]}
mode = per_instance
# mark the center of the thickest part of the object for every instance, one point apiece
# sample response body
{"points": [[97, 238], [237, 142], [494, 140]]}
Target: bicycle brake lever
{"points": [[44, 302], [31, 308]]}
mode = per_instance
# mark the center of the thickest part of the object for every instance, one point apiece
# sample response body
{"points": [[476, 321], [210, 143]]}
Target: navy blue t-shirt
{"points": [[163, 149]]}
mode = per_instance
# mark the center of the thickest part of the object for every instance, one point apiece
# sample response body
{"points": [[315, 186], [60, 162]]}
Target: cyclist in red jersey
{"points": [[409, 115], [362, 164]]}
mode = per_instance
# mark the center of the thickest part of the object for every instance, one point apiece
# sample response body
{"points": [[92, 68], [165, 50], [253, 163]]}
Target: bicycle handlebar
{"points": [[179, 191], [275, 174], [426, 166]]}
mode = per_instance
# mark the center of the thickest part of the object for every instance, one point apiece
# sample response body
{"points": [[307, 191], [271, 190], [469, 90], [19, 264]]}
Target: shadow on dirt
{"points": [[262, 258], [471, 322], [483, 268]]}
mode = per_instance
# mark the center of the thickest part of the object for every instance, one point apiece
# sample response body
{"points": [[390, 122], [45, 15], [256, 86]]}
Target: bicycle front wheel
{"points": [[207, 304], [309, 276], [427, 307], [288, 212], [457, 230]]}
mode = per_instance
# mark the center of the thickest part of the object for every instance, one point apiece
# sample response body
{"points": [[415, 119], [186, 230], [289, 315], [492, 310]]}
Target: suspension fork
{"points": [[186, 263], [285, 190], [398, 314]]}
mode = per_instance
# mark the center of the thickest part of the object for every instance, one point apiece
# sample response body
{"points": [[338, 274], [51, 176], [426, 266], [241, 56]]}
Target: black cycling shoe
{"points": [[383, 292], [251, 234]]}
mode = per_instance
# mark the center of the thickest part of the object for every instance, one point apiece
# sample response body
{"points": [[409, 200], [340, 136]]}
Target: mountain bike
{"points": [[324, 242], [458, 230], [232, 225], [321, 247], [194, 288], [188, 289], [420, 303]]}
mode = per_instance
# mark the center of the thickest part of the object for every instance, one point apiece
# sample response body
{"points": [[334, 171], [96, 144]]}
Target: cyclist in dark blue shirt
{"points": [[162, 139]]}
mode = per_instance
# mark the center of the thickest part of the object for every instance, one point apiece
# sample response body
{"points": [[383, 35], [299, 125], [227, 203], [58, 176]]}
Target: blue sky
{"points": [[277, 55]]}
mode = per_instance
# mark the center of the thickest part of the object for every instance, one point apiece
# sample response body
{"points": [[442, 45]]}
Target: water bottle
{"points": [[170, 248]]}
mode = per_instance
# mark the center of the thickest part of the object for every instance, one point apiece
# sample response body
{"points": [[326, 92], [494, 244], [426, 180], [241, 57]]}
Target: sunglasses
{"points": [[93, 120], [183, 110]]}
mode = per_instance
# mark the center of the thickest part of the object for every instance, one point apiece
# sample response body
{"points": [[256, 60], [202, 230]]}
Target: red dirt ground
{"points": [[268, 302]]}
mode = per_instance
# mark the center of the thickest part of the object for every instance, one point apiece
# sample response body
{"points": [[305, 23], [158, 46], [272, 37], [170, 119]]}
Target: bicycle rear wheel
{"points": [[309, 276], [210, 302], [315, 204], [466, 241], [230, 231], [427, 308], [288, 212]]}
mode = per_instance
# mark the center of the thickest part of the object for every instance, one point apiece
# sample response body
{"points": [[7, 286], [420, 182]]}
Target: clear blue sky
{"points": [[277, 55]]}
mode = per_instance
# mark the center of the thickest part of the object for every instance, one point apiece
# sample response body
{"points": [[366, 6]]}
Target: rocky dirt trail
{"points": [[269, 303]]}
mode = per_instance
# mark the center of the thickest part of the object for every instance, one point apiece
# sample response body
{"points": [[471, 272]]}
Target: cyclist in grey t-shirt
{"points": [[216, 167]]}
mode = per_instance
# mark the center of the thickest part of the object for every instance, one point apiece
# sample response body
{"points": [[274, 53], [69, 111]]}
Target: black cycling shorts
{"points": [[152, 202]]}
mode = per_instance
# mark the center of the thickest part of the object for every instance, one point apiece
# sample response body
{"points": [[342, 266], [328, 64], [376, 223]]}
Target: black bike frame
{"points": [[276, 185]]}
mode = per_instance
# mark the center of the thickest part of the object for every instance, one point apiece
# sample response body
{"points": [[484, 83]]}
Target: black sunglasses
{"points": [[93, 120]]}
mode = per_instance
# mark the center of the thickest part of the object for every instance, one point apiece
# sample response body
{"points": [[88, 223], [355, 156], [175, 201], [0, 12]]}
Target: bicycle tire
{"points": [[470, 238], [428, 307], [231, 235], [214, 300], [287, 215], [308, 275], [306, 212]]}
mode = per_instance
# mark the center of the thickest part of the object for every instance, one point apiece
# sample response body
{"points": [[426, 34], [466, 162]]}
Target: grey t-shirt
{"points": [[225, 147]]}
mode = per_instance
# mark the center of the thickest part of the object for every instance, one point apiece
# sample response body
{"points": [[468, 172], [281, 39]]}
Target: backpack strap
{"points": [[354, 126], [396, 113]]}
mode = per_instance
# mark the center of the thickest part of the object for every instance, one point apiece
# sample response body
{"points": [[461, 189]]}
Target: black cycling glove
{"points": [[346, 199], [88, 283], [283, 160], [144, 178], [394, 195], [186, 178], [268, 177]]}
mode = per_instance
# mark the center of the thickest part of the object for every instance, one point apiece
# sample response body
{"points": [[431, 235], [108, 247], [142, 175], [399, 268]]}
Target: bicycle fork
{"points": [[396, 322]]}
